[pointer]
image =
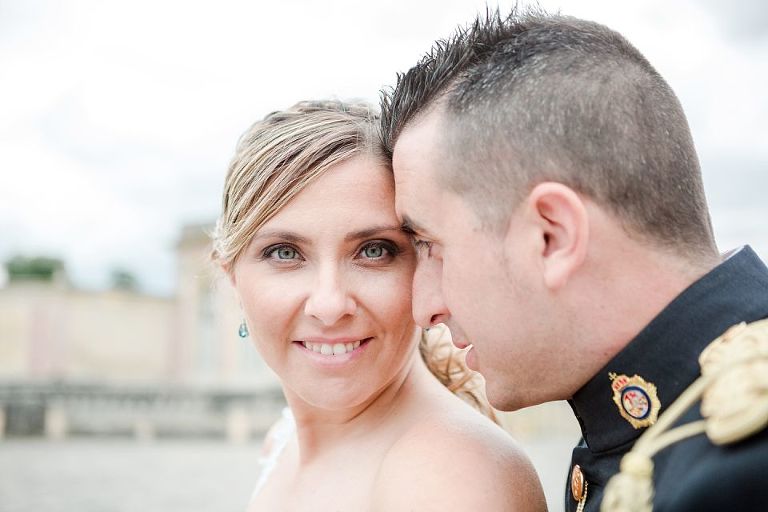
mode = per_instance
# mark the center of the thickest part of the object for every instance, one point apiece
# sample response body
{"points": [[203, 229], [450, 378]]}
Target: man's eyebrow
{"points": [[371, 232], [411, 227], [288, 236]]}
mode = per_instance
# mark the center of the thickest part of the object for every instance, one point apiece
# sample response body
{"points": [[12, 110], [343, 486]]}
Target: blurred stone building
{"points": [[206, 349], [75, 361]]}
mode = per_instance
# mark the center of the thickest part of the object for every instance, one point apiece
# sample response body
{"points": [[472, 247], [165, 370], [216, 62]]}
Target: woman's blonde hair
{"points": [[277, 158], [447, 363]]}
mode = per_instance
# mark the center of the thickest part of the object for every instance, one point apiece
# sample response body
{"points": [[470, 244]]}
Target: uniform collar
{"points": [[666, 351]]}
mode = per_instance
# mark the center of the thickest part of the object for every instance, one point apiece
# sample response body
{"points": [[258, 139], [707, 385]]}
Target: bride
{"points": [[310, 241]]}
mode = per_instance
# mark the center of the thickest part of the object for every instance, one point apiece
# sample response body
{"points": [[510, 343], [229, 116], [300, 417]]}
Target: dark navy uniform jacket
{"points": [[694, 474]]}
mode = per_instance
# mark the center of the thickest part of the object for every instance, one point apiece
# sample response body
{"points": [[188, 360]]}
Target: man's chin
{"points": [[505, 399]]}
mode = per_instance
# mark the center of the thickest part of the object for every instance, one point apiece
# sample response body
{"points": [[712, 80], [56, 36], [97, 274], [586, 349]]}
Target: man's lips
{"points": [[461, 344]]}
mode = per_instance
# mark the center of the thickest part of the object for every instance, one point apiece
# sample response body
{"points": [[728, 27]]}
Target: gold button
{"points": [[577, 483]]}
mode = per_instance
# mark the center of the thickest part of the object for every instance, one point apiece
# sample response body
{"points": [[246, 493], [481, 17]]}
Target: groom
{"points": [[549, 179]]}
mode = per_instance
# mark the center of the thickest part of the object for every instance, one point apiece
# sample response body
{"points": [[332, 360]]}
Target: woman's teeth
{"points": [[327, 349]]}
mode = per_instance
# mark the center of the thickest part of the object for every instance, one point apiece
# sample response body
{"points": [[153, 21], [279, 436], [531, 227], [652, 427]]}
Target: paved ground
{"points": [[97, 475], [125, 475]]}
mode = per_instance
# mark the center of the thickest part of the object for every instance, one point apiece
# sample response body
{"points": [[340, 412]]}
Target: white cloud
{"points": [[118, 119]]}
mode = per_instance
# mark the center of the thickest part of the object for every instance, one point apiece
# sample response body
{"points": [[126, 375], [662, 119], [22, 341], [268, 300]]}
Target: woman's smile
{"points": [[333, 351]]}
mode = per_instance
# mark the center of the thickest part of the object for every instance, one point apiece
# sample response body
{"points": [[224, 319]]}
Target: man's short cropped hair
{"points": [[534, 97]]}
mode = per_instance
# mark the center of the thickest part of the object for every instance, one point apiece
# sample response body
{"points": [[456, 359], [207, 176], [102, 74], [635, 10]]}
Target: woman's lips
{"points": [[328, 349], [333, 347]]}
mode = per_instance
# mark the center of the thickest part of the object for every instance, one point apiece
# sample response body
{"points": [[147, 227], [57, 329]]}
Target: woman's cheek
{"points": [[393, 297], [270, 311]]}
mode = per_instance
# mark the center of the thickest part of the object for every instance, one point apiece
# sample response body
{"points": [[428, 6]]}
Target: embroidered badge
{"points": [[636, 399]]}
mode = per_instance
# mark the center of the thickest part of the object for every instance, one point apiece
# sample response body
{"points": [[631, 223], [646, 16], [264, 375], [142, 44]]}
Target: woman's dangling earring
{"points": [[243, 330]]}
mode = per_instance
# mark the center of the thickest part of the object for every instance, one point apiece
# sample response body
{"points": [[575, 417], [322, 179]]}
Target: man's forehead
{"points": [[415, 159], [420, 135], [416, 153]]}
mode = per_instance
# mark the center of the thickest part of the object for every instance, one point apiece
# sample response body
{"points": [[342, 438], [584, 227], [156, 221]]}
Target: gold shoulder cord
{"points": [[733, 388], [583, 500]]}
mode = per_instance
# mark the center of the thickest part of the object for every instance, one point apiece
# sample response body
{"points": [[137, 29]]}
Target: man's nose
{"points": [[329, 299], [428, 305]]}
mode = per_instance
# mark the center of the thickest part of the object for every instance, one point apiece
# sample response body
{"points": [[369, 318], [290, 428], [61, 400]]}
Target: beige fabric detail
{"points": [[733, 388]]}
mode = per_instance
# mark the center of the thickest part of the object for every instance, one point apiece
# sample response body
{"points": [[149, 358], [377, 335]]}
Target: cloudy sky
{"points": [[117, 119]]}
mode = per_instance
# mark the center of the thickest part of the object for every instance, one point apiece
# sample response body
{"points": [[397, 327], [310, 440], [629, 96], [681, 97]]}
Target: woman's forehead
{"points": [[356, 193]]}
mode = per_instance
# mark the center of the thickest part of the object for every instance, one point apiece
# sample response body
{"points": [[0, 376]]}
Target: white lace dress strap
{"points": [[278, 436]]}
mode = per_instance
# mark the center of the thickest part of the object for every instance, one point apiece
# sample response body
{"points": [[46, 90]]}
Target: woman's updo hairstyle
{"points": [[277, 158]]}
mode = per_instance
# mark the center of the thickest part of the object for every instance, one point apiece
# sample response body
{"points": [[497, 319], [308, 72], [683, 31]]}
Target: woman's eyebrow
{"points": [[371, 232], [288, 236]]}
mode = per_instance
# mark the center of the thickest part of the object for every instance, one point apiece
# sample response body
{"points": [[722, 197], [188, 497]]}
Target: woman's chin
{"points": [[334, 399], [327, 394]]}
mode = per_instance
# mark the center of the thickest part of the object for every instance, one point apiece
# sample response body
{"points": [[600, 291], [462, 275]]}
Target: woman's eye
{"points": [[282, 253], [377, 251], [373, 251], [286, 253]]}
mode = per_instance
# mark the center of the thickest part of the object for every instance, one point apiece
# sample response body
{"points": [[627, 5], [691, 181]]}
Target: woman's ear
{"points": [[562, 224], [229, 271]]}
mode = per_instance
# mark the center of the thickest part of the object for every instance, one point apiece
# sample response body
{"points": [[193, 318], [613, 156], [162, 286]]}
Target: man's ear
{"points": [[561, 223]]}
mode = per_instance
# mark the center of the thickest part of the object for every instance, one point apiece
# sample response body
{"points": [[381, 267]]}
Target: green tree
{"points": [[122, 279], [23, 268]]}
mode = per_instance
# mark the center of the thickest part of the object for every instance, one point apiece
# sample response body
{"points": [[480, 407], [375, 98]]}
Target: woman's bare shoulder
{"points": [[457, 462]]}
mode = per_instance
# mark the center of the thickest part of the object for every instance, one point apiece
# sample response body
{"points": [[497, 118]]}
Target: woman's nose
{"points": [[330, 300]]}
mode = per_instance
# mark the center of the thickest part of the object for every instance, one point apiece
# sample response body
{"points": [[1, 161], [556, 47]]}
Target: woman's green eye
{"points": [[285, 253], [378, 251], [373, 251], [282, 255]]}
